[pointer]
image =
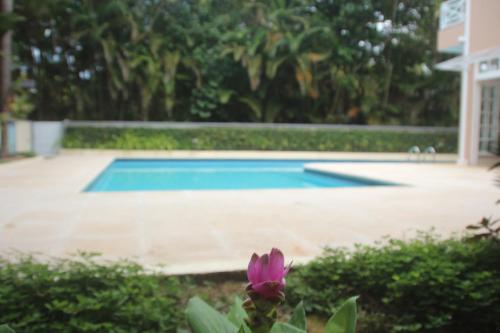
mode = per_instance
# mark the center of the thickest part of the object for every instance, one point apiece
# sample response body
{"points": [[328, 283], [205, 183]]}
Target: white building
{"points": [[471, 30]]}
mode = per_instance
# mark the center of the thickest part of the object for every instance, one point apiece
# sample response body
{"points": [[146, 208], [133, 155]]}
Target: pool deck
{"points": [[43, 210]]}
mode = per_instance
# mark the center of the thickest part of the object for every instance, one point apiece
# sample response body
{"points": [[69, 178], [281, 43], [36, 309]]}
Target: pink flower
{"points": [[266, 274]]}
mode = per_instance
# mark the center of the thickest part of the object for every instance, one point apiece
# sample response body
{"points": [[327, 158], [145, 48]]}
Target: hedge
{"points": [[256, 139], [423, 285], [84, 296]]}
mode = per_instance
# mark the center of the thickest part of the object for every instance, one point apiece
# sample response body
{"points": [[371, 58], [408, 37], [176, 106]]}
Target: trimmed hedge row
{"points": [[84, 296], [424, 285], [255, 139]]}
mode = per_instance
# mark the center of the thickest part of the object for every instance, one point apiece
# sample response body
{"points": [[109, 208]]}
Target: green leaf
{"points": [[253, 104], [202, 318], [6, 329], [317, 57], [225, 95], [273, 65], [344, 320], [237, 314], [299, 317], [244, 329], [8, 21], [285, 328]]}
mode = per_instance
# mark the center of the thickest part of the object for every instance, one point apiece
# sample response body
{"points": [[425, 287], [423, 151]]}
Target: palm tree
{"points": [[274, 35]]}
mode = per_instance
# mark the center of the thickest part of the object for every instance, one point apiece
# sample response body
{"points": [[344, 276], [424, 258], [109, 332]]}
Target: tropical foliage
{"points": [[259, 312], [339, 61], [202, 318]]}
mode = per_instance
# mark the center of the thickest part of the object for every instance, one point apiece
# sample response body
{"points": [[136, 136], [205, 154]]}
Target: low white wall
{"points": [[23, 129], [47, 137], [188, 125]]}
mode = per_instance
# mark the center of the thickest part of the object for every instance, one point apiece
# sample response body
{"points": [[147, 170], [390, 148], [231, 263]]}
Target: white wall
{"points": [[47, 137], [23, 136]]}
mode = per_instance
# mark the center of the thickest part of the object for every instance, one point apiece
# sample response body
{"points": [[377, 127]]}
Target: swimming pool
{"points": [[234, 174]]}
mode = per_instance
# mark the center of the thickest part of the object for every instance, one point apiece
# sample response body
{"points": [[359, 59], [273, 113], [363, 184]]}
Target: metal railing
{"points": [[415, 154], [452, 12]]}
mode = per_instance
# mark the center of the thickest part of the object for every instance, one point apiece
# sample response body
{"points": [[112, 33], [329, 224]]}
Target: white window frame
{"points": [[451, 13]]}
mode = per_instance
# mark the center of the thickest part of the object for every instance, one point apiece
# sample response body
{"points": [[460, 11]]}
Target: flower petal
{"points": [[276, 265], [253, 269], [264, 272]]}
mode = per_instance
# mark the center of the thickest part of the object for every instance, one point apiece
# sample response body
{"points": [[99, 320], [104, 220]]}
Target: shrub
{"points": [[424, 285], [256, 139], [83, 296]]}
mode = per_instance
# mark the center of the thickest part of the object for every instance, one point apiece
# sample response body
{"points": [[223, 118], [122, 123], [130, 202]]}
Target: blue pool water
{"points": [[181, 174]]}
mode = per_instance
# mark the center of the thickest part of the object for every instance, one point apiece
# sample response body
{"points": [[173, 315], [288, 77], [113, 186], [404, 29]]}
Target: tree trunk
{"points": [[5, 77]]}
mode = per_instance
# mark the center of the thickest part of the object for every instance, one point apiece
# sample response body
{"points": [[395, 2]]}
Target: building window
{"points": [[490, 116], [483, 66], [494, 64], [452, 12], [489, 65]]}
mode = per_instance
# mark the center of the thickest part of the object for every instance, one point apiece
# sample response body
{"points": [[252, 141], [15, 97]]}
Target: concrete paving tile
{"points": [[103, 228], [201, 231], [11, 234], [45, 246], [110, 247]]}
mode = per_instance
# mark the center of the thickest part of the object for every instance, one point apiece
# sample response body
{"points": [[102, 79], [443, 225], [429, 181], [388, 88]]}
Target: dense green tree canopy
{"points": [[334, 61]]}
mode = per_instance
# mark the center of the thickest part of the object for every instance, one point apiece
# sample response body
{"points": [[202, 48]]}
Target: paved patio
{"points": [[43, 209]]}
